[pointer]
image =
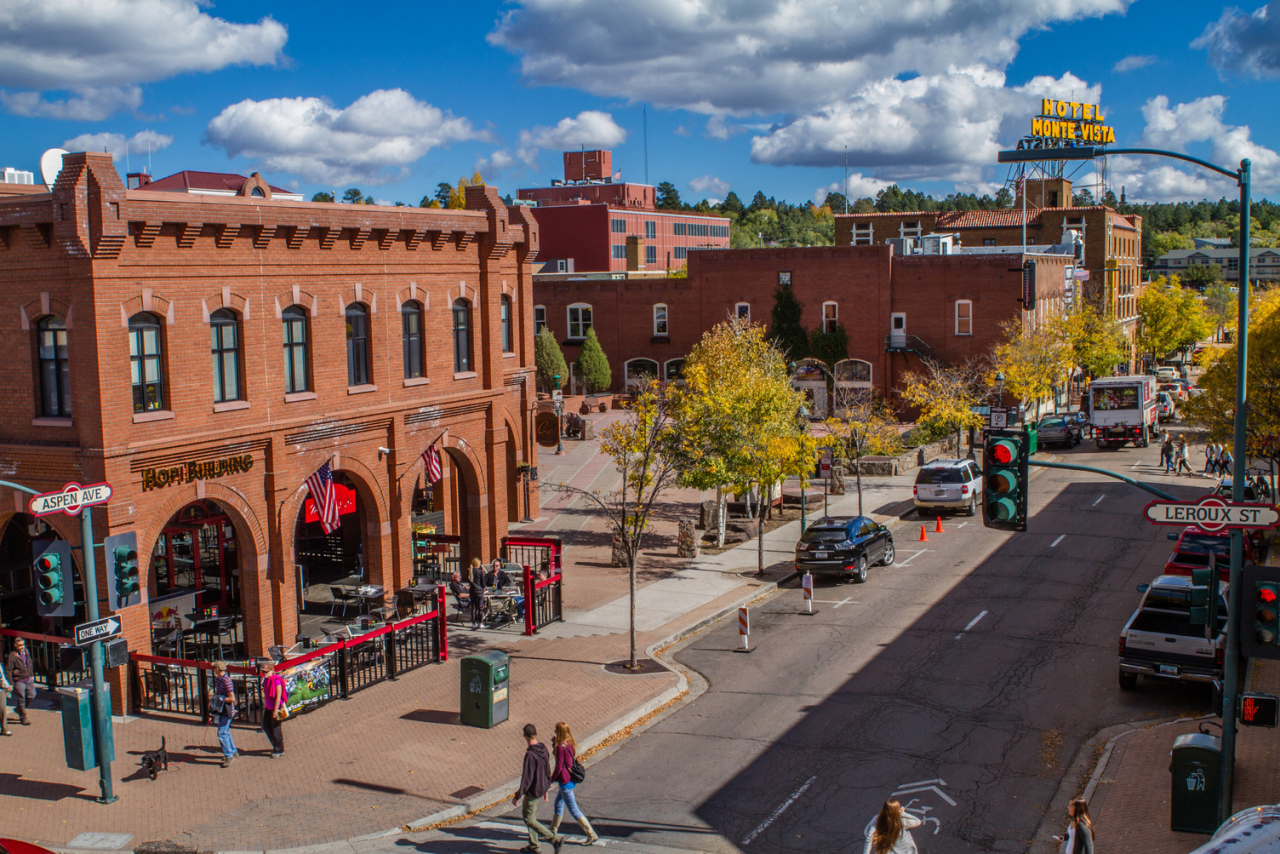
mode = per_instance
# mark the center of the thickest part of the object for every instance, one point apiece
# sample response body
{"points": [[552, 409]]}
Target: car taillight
{"points": [[1219, 657], [915, 490], [964, 490], [1122, 644]]}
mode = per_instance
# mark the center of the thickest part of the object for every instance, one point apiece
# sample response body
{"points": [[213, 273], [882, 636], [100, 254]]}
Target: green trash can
{"points": [[1033, 438], [485, 679], [1193, 805], [77, 727]]}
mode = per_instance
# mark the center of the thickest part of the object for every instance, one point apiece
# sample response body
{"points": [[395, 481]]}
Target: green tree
{"points": [[1221, 304], [353, 196], [785, 329], [1032, 359], [443, 191], [1004, 198], [1201, 276], [945, 395], [322, 197], [593, 365], [1096, 344], [1164, 242], [1169, 317], [759, 202], [549, 359], [732, 204], [669, 197], [829, 347], [837, 202]]}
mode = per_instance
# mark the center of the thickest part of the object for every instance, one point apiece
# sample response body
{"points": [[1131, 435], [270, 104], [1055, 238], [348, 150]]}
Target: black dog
{"points": [[156, 761]]}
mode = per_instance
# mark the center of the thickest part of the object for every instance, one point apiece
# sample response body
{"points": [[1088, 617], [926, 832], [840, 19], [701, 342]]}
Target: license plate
{"points": [[1168, 670], [821, 555]]}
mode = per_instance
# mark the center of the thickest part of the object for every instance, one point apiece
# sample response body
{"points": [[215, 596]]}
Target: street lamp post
{"points": [[802, 422], [1242, 177], [559, 404]]}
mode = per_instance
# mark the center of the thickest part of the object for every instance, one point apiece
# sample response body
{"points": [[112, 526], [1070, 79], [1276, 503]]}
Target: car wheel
{"points": [[1128, 681], [889, 555], [860, 572], [973, 507]]}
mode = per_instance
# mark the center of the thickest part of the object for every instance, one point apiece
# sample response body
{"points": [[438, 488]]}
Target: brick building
{"points": [[895, 308], [589, 223], [206, 354]]}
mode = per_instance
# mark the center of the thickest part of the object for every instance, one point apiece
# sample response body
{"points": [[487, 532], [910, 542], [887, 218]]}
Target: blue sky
{"points": [[740, 94]]}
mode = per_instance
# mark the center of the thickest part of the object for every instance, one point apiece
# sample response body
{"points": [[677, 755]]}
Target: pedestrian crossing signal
{"points": [[1259, 710]]}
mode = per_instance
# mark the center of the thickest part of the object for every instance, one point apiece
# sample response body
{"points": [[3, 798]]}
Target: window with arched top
{"points": [[55, 376], [146, 362], [411, 336], [673, 370], [224, 345], [461, 336], [257, 193], [508, 346], [357, 344], [297, 362], [660, 319], [640, 371]]}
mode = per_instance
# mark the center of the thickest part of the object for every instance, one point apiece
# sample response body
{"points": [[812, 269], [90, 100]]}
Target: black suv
{"points": [[844, 545]]}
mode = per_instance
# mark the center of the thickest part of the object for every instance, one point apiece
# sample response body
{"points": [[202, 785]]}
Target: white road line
{"points": [[1054, 544], [962, 524], [972, 623], [914, 556], [774, 815], [848, 600], [1095, 504]]}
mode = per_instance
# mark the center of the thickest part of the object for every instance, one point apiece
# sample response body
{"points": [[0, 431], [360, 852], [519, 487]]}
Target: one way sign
{"points": [[107, 627]]}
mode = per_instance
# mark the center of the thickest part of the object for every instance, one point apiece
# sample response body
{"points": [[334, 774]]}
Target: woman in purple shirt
{"points": [[565, 750]]}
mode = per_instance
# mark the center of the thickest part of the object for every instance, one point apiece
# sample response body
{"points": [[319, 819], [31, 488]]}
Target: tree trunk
{"points": [[633, 609], [858, 463], [720, 514], [760, 540]]}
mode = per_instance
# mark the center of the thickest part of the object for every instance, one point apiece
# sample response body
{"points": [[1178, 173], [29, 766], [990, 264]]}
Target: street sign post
{"points": [[70, 499], [98, 630], [1213, 514]]}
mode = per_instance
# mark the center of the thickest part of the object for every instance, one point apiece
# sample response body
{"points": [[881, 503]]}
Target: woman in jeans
{"points": [[566, 750], [273, 698], [224, 706]]}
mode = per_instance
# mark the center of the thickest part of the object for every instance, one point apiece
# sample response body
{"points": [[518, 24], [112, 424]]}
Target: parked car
{"points": [[1167, 373], [1166, 409], [1160, 642], [1193, 547], [948, 485], [1174, 390], [1059, 430], [844, 545]]}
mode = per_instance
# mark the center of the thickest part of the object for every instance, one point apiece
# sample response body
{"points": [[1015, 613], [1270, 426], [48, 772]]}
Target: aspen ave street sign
{"points": [[70, 499], [1212, 514]]}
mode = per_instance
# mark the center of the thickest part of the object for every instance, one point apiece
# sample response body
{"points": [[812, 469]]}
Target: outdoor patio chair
{"points": [[339, 594]]}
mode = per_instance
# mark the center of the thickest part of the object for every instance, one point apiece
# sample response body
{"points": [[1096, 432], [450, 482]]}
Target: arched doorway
{"points": [[18, 584], [331, 566]]}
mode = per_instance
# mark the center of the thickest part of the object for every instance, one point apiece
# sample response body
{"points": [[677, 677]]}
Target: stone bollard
{"points": [[686, 540], [619, 556], [709, 516], [837, 480], [588, 429]]}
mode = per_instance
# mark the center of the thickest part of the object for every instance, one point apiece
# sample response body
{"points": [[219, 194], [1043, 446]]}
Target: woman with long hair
{"points": [[892, 834], [565, 750], [1079, 835]]}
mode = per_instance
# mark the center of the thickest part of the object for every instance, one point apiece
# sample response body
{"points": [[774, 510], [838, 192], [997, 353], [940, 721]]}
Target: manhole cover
{"points": [[163, 847], [643, 667]]}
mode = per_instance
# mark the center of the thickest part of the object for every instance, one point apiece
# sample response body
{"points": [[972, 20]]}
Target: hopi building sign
{"points": [[158, 478]]}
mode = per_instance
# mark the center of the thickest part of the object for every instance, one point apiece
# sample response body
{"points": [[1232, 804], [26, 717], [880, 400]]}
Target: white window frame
{"points": [[626, 370], [660, 325], [666, 368], [968, 303], [738, 310], [579, 325], [863, 234], [829, 321], [539, 318]]}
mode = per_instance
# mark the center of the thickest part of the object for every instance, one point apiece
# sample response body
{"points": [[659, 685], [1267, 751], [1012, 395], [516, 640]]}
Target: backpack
{"points": [[576, 772]]}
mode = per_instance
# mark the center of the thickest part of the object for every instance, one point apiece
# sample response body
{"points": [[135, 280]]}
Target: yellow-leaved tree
{"points": [[1032, 358], [1170, 317], [946, 395], [1096, 343], [863, 424]]}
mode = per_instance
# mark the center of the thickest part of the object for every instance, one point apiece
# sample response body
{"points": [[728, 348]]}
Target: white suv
{"points": [[948, 485]]}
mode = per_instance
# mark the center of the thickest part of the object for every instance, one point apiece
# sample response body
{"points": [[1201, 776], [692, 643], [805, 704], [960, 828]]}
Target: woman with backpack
{"points": [[565, 750], [892, 832]]}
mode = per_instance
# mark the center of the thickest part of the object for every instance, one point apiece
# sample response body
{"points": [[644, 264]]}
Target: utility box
{"points": [[77, 727], [485, 679], [1193, 802]]}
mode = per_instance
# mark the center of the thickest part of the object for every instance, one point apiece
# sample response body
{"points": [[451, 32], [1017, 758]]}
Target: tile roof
{"points": [[988, 219], [188, 180]]}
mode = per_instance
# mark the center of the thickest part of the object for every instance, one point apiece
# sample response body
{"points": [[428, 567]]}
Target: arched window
{"points": [[257, 193], [742, 310], [674, 370], [964, 317], [461, 336], [357, 344], [660, 319], [640, 371], [506, 324], [296, 361], [55, 377], [224, 337], [146, 362], [411, 335], [830, 316], [579, 320]]}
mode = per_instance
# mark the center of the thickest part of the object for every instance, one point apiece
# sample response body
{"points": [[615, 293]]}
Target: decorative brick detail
{"points": [[294, 235], [439, 239], [412, 237], [328, 236], [187, 234], [224, 235], [6, 237], [464, 239], [386, 237], [108, 246], [40, 235], [359, 236], [145, 233], [263, 234]]}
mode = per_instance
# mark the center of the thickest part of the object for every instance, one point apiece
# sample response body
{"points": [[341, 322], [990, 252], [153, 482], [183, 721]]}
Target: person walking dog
{"points": [[1079, 835], [566, 753], [274, 695], [535, 780], [22, 674], [224, 706], [892, 833]]}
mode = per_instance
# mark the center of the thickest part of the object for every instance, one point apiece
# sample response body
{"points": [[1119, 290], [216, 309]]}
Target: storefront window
{"points": [[294, 320], [224, 332]]}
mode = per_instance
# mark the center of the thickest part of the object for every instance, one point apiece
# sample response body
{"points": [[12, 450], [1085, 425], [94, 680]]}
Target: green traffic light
{"points": [[126, 571], [1002, 509]]}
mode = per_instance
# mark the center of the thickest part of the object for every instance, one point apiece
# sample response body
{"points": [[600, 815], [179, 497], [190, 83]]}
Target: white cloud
{"points": [[373, 141], [495, 164], [710, 186], [1246, 44], [858, 186], [945, 126], [118, 145], [764, 56], [681, 130], [590, 128], [1133, 63], [85, 105]]}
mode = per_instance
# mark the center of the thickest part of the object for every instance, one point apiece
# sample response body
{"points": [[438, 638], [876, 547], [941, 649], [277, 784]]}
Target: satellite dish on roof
{"points": [[51, 165]]}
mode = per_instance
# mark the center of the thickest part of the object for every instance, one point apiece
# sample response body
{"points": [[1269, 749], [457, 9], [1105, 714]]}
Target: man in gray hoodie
{"points": [[535, 780]]}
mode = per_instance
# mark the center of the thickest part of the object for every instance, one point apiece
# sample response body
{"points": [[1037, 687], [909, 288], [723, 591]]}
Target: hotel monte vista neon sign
{"points": [[1067, 122]]}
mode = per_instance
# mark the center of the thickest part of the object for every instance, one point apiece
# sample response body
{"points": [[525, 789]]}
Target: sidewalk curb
{"points": [[1102, 745]]}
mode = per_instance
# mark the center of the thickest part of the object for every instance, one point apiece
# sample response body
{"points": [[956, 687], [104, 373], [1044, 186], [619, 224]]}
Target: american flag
{"points": [[431, 459], [322, 493]]}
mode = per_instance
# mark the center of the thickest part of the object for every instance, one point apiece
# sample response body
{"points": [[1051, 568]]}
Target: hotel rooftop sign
{"points": [[1068, 123]]}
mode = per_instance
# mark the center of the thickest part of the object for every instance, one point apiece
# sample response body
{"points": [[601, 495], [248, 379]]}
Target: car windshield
{"points": [[824, 535], [1051, 422], [1225, 490], [939, 476], [1205, 544]]}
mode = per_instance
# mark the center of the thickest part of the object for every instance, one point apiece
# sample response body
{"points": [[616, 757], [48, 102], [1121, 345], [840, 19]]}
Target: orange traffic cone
{"points": [[938, 530], [924, 538]]}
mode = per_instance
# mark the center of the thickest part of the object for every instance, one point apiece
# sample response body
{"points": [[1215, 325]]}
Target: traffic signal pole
{"points": [[101, 707]]}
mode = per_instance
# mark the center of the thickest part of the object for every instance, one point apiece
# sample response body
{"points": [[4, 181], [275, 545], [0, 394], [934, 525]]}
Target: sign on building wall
{"points": [[157, 478]]}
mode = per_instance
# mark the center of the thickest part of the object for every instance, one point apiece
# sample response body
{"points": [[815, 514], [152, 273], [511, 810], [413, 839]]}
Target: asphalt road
{"points": [[963, 680]]}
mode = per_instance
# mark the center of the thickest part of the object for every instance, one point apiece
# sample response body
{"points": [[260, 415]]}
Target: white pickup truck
{"points": [[1160, 642]]}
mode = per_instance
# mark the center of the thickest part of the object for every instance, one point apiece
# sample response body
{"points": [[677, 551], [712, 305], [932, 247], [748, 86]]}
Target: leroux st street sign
{"points": [[1212, 514]]}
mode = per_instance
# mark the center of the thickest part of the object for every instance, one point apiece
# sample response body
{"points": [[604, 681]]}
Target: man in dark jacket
{"points": [[22, 674], [535, 780]]}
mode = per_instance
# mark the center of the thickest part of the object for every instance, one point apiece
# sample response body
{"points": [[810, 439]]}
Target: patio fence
{"points": [[542, 601], [52, 668]]}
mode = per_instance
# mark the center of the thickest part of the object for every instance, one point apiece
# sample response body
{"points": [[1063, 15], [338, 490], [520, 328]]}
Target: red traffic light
{"points": [[1266, 594], [45, 563], [1002, 453]]}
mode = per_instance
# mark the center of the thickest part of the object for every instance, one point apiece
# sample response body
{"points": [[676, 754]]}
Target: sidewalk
{"points": [[395, 756]]}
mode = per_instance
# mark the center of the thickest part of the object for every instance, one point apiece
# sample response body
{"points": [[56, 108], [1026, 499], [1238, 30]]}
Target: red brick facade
{"points": [[868, 286], [94, 254]]}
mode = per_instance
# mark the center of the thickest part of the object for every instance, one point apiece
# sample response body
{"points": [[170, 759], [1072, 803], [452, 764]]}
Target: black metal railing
{"points": [[184, 687], [55, 661]]}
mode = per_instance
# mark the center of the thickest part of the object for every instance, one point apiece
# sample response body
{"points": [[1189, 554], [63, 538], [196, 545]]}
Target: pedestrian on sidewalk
{"points": [[6, 688], [475, 592], [224, 707], [24, 681], [535, 780], [1166, 452], [1224, 461], [892, 833], [1181, 455], [1211, 459], [274, 695], [566, 751], [1079, 836]]}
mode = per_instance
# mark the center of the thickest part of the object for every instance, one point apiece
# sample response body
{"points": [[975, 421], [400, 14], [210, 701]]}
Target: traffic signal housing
{"points": [[1004, 479], [1259, 618], [1204, 598], [55, 578], [125, 585]]}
